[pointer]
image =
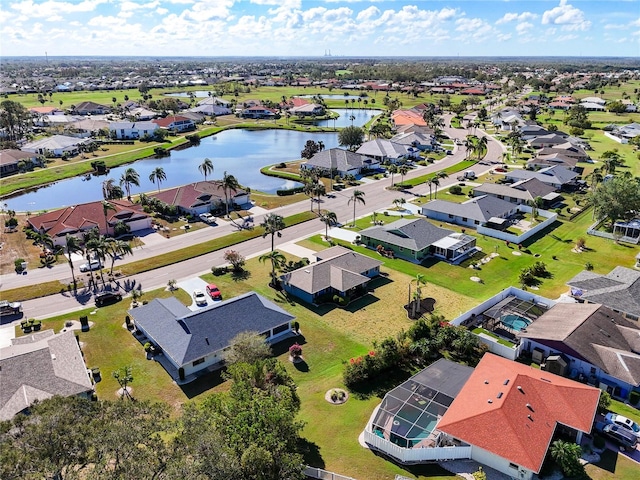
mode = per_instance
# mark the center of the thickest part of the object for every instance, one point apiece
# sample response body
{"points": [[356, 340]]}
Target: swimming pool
{"points": [[514, 322]]}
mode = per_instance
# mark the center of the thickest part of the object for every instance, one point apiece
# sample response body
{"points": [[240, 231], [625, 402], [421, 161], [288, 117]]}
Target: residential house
{"points": [[91, 108], [213, 110], [557, 176], [593, 104], [175, 123], [39, 366], [508, 119], [400, 118], [530, 131], [337, 271], [477, 211], [567, 149], [202, 197], [340, 162], [528, 407], [132, 130], [543, 161], [194, 341], [56, 146], [417, 239], [523, 192], [307, 110], [258, 112], [619, 290], [548, 140], [596, 345], [86, 127], [419, 140], [627, 132], [140, 113], [78, 219], [451, 411], [10, 161], [386, 150]]}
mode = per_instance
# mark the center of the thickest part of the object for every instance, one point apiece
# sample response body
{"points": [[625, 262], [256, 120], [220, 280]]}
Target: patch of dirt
{"points": [[16, 245], [427, 306]]}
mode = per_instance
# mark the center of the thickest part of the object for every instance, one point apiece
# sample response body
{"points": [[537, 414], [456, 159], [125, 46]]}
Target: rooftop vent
{"points": [[506, 382], [206, 339], [489, 401], [307, 271], [530, 417], [53, 356], [530, 407], [520, 389], [500, 395], [486, 382]]}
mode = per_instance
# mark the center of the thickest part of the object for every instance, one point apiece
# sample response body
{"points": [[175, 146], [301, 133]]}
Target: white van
{"points": [[468, 175]]}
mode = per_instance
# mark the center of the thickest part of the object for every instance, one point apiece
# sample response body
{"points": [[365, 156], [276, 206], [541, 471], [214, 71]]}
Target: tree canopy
{"points": [[618, 198], [351, 137]]}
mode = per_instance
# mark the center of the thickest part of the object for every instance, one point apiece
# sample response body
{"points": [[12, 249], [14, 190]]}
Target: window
{"points": [[477, 222], [514, 466], [450, 216], [464, 219], [501, 197], [281, 328], [593, 370], [198, 362]]}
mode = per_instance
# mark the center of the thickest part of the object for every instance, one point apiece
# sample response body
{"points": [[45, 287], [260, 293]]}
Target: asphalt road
{"points": [[376, 198]]}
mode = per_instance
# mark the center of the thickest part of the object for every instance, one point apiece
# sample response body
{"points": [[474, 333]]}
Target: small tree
{"points": [[172, 284], [567, 456], [247, 347], [124, 377], [295, 351], [604, 402], [235, 259]]}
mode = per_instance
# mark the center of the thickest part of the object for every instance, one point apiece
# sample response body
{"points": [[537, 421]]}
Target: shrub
{"points": [[296, 327], [281, 165], [217, 271], [147, 347], [18, 264], [289, 191], [588, 266], [295, 350], [11, 222], [339, 300], [455, 190], [634, 397]]}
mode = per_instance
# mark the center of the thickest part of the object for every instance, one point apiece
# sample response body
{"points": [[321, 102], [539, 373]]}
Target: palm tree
{"points": [[108, 186], [277, 260], [89, 239], [106, 206], [567, 455], [403, 170], [392, 169], [229, 182], [481, 146], [272, 225], [596, 177], [157, 175], [535, 204], [329, 219], [439, 176], [430, 183], [73, 246], [116, 248], [417, 297], [356, 197], [128, 178], [319, 190], [398, 202], [206, 168]]}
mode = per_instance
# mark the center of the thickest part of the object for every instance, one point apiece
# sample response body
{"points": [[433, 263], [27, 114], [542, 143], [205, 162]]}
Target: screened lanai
{"points": [[409, 414]]}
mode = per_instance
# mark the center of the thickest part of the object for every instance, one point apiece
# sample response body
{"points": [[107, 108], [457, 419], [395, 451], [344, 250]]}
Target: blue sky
{"points": [[313, 27]]}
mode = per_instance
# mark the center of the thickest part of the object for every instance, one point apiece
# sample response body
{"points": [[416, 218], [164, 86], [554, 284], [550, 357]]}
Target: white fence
{"points": [[410, 455], [504, 351], [517, 239], [321, 474]]}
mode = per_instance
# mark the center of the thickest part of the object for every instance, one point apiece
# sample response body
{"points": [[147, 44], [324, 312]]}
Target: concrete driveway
{"points": [[189, 286]]}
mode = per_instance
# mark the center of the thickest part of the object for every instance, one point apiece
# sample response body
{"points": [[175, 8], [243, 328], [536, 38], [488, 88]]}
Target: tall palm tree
{"points": [[272, 225], [596, 177], [108, 187], [319, 190], [329, 219], [157, 175], [229, 183], [89, 240], [116, 248], [439, 176], [481, 146], [106, 207], [277, 260], [97, 245], [128, 178], [72, 246], [206, 168], [417, 297], [403, 170], [356, 197], [392, 169]]}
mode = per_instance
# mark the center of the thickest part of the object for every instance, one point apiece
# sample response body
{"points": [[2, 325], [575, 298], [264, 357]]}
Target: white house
{"points": [[132, 130]]}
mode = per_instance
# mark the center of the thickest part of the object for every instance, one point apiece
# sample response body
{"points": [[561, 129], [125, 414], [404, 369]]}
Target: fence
{"points": [[410, 455], [499, 349], [321, 474], [517, 239]]}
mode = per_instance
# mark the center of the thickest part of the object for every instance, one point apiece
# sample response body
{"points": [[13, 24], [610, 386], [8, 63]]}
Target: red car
{"points": [[214, 292]]}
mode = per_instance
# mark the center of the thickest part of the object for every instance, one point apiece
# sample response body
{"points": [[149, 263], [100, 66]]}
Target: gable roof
{"points": [[415, 234], [619, 289], [55, 142], [11, 156], [594, 333], [555, 175], [524, 190], [383, 148], [90, 107], [481, 208], [39, 366], [186, 336], [337, 267], [523, 404], [195, 194]]}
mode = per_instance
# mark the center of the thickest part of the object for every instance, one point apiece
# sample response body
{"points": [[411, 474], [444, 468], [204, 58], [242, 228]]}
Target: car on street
{"points": [[200, 298], [107, 298], [214, 292], [92, 265], [623, 422]]}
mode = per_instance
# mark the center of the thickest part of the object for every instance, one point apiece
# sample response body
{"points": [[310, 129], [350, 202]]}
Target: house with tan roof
{"points": [[599, 346], [201, 197], [39, 366], [337, 271], [91, 108], [79, 219], [502, 414], [10, 161]]}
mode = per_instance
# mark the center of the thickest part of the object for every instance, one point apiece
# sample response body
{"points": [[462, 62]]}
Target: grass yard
{"points": [[613, 466]]}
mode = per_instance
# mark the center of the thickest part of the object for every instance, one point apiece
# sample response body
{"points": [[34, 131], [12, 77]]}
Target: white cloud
{"points": [[523, 28], [162, 11], [49, 8], [516, 17], [567, 16], [368, 14]]}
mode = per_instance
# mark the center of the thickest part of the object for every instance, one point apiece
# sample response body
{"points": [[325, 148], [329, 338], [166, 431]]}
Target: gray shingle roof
{"points": [[556, 175], [186, 336], [383, 148], [339, 268], [479, 208], [39, 366], [594, 333], [337, 158], [619, 289], [412, 234]]}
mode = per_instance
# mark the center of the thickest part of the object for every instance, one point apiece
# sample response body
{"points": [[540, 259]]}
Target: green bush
{"points": [[634, 397], [289, 191], [455, 190], [18, 264], [217, 271], [147, 347]]}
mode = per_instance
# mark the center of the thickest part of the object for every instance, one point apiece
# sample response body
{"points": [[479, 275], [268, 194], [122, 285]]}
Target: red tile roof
{"points": [[512, 410], [84, 217], [407, 117]]}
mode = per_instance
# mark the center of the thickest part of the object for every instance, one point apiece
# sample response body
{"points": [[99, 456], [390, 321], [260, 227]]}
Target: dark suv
{"points": [[106, 298]]}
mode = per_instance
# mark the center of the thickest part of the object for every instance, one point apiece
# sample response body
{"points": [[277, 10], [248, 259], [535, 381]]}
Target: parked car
{"points": [[207, 218], [107, 298], [10, 308], [214, 292], [623, 422], [200, 298], [620, 435], [92, 265], [468, 175]]}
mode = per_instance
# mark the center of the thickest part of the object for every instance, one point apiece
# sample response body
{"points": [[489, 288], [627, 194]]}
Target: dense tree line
{"points": [[249, 432]]}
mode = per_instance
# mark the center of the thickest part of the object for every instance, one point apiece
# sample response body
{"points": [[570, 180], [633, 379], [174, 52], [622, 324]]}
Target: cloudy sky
{"points": [[315, 27]]}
